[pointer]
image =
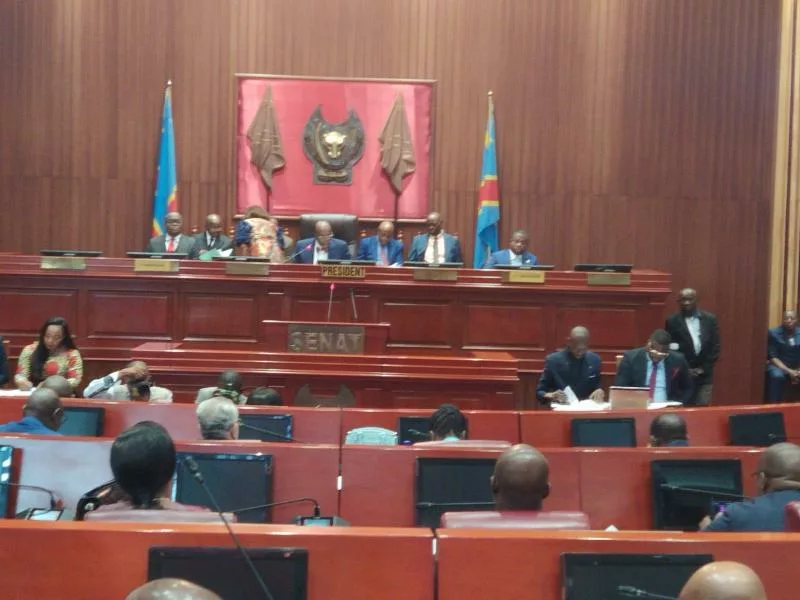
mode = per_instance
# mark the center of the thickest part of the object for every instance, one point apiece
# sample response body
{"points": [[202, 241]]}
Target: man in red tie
{"points": [[382, 249], [173, 241], [664, 371]]}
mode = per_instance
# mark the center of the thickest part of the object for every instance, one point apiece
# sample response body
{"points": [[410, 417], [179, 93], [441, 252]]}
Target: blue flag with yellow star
{"points": [[488, 198], [166, 196]]}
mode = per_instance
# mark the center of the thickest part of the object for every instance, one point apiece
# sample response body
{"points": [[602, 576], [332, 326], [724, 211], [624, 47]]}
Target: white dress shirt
{"points": [[693, 325], [319, 253], [516, 259], [429, 252], [167, 238]]}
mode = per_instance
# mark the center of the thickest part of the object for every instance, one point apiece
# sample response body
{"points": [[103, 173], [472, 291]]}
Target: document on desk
{"points": [[582, 406], [572, 398]]}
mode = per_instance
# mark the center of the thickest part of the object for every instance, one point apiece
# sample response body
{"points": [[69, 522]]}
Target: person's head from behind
{"points": [[519, 242], [219, 419], [59, 385], [171, 589], [143, 463], [578, 341], [724, 581], [667, 428], [265, 396], [229, 385], [385, 232], [521, 479], [779, 468], [448, 422], [44, 404], [658, 345], [256, 212], [323, 232], [790, 320], [173, 223]]}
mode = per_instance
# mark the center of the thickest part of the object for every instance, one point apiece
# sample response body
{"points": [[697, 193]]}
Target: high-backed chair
{"points": [[792, 516], [344, 226], [158, 516], [516, 520]]}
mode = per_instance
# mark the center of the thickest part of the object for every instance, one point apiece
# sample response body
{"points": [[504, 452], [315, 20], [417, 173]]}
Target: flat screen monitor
{"points": [[336, 261], [525, 267], [686, 491], [450, 485], [224, 570], [80, 420], [237, 481], [165, 255], [258, 259], [69, 253], [267, 428], [6, 464], [609, 576], [604, 267], [444, 265], [604, 432], [757, 429], [411, 430]]}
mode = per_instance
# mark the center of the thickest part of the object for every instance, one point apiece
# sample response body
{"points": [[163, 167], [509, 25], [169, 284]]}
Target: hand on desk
{"points": [[598, 395], [559, 397], [704, 523]]}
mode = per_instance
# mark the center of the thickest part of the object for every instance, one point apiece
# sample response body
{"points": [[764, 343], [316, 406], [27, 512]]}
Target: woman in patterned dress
{"points": [[53, 354], [258, 235]]}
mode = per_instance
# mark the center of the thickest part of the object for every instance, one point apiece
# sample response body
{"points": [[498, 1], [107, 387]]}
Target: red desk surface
{"points": [[344, 563]]}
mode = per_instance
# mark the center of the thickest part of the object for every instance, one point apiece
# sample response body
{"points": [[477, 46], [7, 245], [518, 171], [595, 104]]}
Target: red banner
{"points": [[293, 189]]}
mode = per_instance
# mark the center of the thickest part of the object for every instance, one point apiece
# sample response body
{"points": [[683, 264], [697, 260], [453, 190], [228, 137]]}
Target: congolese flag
{"points": [[166, 197], [488, 198]]}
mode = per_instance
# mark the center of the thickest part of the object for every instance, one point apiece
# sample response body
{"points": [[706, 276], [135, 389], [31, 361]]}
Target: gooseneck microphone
{"points": [[353, 303], [54, 503], [282, 503], [192, 467], [690, 490], [330, 300], [628, 591], [271, 434], [299, 252]]}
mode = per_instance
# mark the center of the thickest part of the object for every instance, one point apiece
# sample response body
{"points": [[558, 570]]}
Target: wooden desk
{"points": [[99, 561], [519, 565]]}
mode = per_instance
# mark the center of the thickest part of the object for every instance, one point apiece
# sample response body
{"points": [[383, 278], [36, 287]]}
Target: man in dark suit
{"points": [[212, 238], [436, 246], [173, 240], [382, 249], [575, 367], [321, 247], [655, 366], [779, 483], [516, 254], [783, 352], [697, 335]]}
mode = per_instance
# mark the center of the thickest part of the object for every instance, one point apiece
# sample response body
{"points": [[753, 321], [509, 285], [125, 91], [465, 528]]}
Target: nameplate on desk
{"points": [[252, 269], [343, 271], [63, 263], [434, 274], [155, 265], [608, 278], [523, 276], [324, 338]]}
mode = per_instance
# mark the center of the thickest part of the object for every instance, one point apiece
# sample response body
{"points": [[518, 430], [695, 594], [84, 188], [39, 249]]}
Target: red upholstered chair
{"points": [[516, 520], [792, 516], [471, 444], [157, 516]]}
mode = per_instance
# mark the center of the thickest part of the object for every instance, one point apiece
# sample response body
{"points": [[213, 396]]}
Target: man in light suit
{"points": [[575, 367], [173, 240], [212, 238], [517, 253], [382, 249], [655, 366], [783, 352], [321, 247], [436, 246]]}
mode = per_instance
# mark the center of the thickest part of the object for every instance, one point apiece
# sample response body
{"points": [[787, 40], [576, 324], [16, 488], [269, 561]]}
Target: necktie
{"points": [[171, 245], [436, 249], [652, 383], [384, 256]]}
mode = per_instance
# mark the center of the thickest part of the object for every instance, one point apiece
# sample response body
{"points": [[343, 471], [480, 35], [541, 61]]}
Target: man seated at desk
{"points": [[321, 247], [173, 240], [212, 239], [783, 352], [668, 429], [218, 419], [655, 366], [516, 255], [521, 479], [41, 415], [436, 246], [575, 367], [131, 383], [383, 249]]}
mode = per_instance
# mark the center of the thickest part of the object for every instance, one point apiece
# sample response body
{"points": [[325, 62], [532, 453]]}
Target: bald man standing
{"points": [[779, 483], [521, 479], [41, 415], [575, 367], [724, 581], [212, 238], [171, 589], [382, 249]]}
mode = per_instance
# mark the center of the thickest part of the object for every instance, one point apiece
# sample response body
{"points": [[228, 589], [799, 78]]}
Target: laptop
{"points": [[628, 398]]}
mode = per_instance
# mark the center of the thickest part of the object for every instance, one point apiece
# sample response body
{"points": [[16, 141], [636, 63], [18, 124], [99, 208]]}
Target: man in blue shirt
{"points": [[783, 352], [779, 483], [42, 414]]}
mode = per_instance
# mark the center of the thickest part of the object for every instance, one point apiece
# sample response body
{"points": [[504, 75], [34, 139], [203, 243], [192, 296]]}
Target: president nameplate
{"points": [[343, 271]]}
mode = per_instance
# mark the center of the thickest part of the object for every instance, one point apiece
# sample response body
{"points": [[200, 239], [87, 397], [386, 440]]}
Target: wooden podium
{"points": [[314, 337]]}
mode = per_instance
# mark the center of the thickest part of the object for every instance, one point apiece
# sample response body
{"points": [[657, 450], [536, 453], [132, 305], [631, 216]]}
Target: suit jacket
{"points": [[337, 250], [223, 242], [632, 372], [503, 257], [452, 249], [779, 347], [159, 244], [762, 513], [4, 374], [557, 375], [709, 339], [368, 250]]}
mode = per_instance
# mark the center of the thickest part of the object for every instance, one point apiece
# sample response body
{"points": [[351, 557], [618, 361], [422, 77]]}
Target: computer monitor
{"points": [[258, 259], [450, 485], [280, 426], [80, 420], [444, 265], [224, 570], [757, 429], [411, 430], [604, 267], [587, 575], [165, 255], [604, 432], [71, 253], [525, 267], [237, 481], [338, 261], [686, 491], [6, 464]]}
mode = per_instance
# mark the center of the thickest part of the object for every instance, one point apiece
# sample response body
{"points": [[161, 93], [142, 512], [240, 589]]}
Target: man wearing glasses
{"points": [[323, 246], [655, 366]]}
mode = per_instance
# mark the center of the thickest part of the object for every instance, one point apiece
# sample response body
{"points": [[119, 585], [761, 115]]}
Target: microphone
{"points": [[191, 466], [679, 488], [282, 503], [298, 253], [455, 504], [54, 502], [330, 300], [272, 434], [353, 302], [628, 591]]}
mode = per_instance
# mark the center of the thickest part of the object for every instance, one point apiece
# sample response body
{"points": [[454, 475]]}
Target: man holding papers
{"points": [[572, 373]]}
